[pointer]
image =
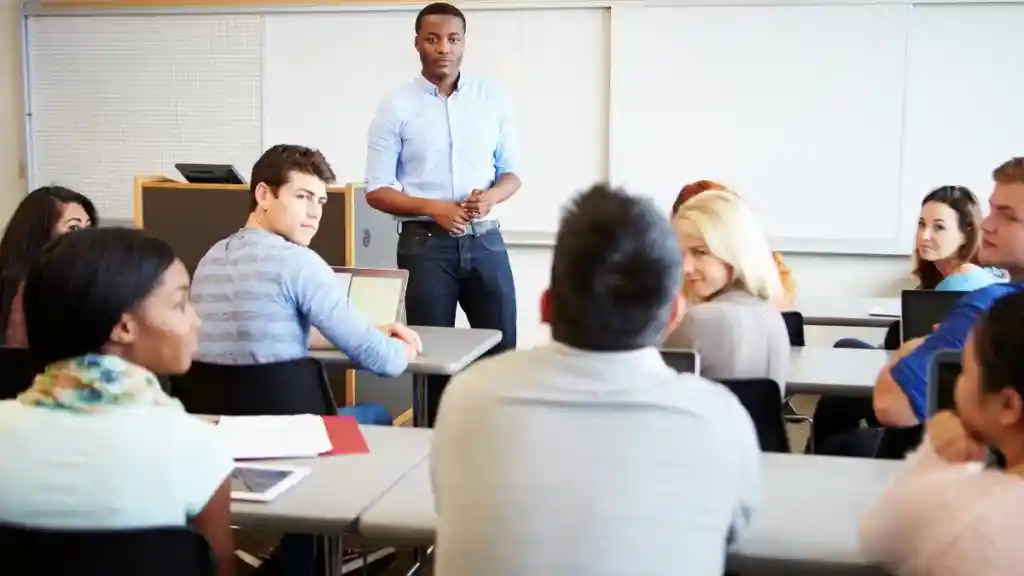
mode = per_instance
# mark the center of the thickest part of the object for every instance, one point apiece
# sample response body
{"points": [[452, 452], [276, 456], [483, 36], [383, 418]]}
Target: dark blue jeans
{"points": [[470, 271]]}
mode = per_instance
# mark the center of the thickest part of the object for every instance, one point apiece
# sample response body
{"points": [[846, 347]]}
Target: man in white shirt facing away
{"points": [[590, 455]]}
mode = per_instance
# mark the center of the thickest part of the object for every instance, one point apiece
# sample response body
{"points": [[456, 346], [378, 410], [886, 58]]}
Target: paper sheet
{"points": [[260, 437]]}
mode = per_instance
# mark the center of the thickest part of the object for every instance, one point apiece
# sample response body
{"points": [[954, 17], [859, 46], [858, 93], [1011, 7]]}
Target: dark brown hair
{"points": [[1010, 172], [275, 166], [968, 215]]}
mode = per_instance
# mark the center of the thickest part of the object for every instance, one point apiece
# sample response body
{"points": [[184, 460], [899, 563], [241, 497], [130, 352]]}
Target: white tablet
{"points": [[263, 483]]}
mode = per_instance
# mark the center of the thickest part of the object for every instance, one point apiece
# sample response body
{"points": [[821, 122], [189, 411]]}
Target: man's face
{"points": [[440, 42], [294, 210], [1002, 231]]}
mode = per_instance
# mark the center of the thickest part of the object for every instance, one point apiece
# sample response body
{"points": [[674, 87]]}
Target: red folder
{"points": [[345, 435]]}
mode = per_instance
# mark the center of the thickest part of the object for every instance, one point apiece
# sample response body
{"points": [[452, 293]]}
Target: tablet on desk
{"points": [[263, 483]]}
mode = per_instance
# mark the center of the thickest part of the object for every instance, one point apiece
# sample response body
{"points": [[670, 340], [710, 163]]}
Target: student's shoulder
{"points": [[983, 297]]}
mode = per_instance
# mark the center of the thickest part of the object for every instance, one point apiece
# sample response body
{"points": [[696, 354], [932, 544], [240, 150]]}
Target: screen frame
{"points": [[390, 273]]}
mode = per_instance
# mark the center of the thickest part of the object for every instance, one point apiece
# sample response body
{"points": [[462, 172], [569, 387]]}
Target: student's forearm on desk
{"points": [[398, 204]]}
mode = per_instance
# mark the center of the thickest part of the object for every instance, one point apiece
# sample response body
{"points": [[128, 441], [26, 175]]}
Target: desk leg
{"points": [[420, 418]]}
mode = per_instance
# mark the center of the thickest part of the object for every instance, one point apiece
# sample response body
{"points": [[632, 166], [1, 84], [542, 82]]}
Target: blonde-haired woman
{"points": [[733, 286], [692, 189]]}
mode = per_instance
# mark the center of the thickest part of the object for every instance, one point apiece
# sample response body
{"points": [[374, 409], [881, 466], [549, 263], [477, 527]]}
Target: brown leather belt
{"points": [[430, 227]]}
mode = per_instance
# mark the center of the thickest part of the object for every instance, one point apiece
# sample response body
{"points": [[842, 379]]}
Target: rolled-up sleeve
{"points": [[506, 153], [384, 145]]}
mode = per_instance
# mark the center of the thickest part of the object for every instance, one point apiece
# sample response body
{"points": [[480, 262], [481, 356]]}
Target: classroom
{"points": [[790, 229]]}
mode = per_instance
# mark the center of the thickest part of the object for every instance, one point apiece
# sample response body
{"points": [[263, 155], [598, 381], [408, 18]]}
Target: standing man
{"points": [[442, 155]]}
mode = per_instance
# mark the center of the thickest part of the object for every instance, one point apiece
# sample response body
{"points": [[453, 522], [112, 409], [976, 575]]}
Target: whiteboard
{"points": [[325, 75], [799, 108], [116, 97], [964, 95]]}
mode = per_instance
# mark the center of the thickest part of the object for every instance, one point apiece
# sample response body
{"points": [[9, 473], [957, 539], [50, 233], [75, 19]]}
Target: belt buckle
{"points": [[468, 230]]}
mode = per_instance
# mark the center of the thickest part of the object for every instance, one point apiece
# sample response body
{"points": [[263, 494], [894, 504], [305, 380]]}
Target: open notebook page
{"points": [[262, 437]]}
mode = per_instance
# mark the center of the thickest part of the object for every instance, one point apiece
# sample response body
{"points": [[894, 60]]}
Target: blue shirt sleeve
{"points": [[968, 281], [506, 153], [911, 372], [312, 285], [384, 146]]}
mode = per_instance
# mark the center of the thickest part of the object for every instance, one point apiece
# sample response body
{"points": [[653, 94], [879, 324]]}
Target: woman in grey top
{"points": [[732, 285]]}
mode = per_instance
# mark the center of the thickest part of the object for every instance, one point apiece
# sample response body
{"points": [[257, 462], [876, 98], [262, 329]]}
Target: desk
{"points": [[446, 351], [808, 516], [329, 500], [842, 311], [839, 371], [810, 509]]}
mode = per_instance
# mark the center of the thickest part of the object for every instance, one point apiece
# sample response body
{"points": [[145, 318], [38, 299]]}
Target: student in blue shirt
{"points": [[901, 389], [442, 157]]}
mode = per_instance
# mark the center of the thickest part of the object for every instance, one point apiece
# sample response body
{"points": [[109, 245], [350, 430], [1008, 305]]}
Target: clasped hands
{"points": [[455, 216]]}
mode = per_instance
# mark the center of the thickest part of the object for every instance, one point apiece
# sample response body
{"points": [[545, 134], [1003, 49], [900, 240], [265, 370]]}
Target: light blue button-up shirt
{"points": [[430, 146]]}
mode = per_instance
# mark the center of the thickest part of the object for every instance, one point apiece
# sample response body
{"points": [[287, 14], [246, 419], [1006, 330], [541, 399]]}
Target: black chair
{"points": [[152, 551], [762, 399], [795, 328], [18, 367], [892, 339], [281, 388]]}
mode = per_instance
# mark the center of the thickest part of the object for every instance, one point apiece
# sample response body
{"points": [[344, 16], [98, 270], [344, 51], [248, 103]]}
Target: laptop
{"points": [[921, 310], [682, 361], [379, 293], [942, 375]]}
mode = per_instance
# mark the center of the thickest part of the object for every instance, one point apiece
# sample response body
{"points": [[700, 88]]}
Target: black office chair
{"points": [[762, 399], [18, 367], [795, 327], [152, 551], [281, 388], [892, 339]]}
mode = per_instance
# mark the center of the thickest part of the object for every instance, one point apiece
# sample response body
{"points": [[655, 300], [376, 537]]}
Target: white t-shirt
{"points": [[560, 461], [125, 467]]}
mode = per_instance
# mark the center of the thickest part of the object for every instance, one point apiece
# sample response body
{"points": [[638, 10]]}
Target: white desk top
{"points": [[845, 311], [810, 507], [840, 371], [329, 500], [446, 351]]}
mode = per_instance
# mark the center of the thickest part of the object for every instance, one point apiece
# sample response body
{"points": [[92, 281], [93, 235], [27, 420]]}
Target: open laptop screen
{"points": [[921, 310], [379, 294]]}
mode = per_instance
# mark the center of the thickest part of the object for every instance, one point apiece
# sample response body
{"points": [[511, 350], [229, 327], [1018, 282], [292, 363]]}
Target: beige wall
{"points": [[12, 143]]}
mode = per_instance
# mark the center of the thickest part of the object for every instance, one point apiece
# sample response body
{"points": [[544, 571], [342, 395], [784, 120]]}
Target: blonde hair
{"points": [[732, 233]]}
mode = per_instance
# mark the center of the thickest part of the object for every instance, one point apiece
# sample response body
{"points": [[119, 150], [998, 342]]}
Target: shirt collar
{"points": [[645, 357], [428, 87]]}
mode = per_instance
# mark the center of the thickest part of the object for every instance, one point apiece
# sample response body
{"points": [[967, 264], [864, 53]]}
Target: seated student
{"points": [[730, 274], [261, 289], [945, 515], [95, 443], [583, 456], [945, 258], [785, 276], [42, 215], [899, 394]]}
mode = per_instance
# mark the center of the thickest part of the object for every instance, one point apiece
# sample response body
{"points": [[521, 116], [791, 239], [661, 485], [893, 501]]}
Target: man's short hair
{"points": [[439, 9], [275, 166], [1010, 172], [615, 273]]}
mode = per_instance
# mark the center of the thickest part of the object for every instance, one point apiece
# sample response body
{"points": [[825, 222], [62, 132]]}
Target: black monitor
{"points": [[683, 361], [921, 310], [210, 173], [942, 375]]}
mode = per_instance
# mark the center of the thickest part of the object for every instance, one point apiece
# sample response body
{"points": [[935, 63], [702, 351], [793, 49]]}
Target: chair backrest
{"points": [[682, 361], [152, 551], [920, 310], [281, 388], [763, 401], [795, 327], [18, 367], [892, 339]]}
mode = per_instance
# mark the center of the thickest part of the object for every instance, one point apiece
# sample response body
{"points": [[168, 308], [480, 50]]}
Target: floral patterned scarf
{"points": [[93, 382]]}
